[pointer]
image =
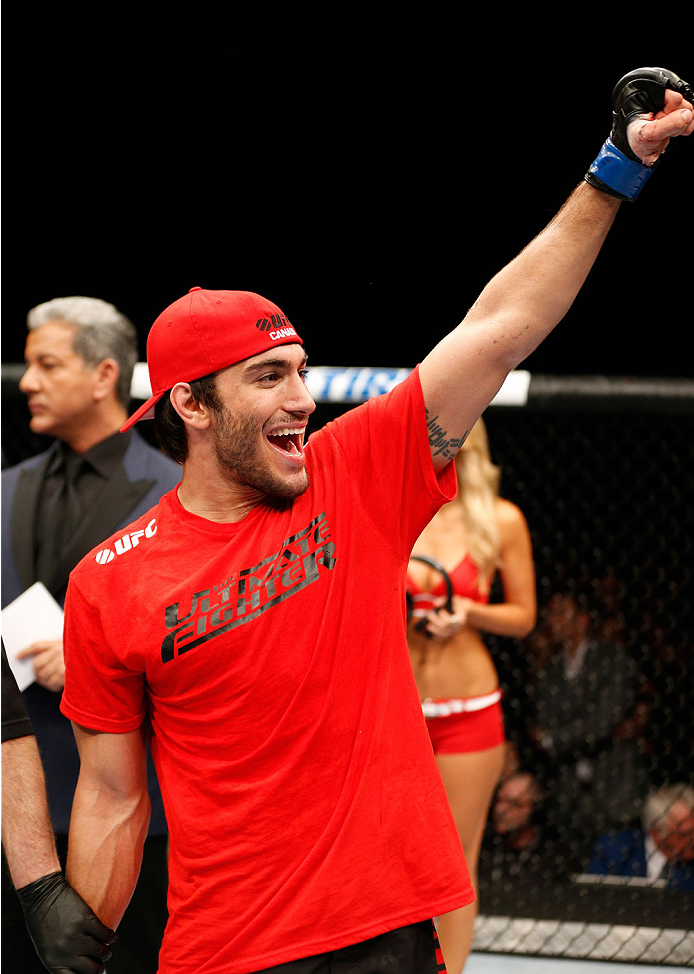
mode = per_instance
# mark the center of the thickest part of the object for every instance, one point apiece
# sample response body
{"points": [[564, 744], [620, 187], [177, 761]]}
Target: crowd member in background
{"points": [[660, 848], [62, 927], [92, 481], [513, 810], [669, 667], [588, 758], [475, 536]]}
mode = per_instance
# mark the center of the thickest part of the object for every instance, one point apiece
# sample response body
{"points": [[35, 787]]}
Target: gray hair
{"points": [[659, 803], [101, 331]]}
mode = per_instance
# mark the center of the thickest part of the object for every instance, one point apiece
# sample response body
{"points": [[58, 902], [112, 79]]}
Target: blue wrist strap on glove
{"points": [[615, 172], [639, 94]]}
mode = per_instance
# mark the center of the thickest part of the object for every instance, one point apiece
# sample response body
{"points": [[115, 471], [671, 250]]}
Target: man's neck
{"points": [[100, 428], [216, 499]]}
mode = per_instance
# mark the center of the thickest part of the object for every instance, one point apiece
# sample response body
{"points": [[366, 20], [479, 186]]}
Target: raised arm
{"points": [[524, 301], [110, 815]]}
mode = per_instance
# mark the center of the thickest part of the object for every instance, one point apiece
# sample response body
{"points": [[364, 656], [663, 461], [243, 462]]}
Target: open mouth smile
{"points": [[288, 440]]}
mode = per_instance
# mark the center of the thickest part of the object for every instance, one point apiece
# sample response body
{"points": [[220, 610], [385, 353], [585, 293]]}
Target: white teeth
{"points": [[285, 432]]}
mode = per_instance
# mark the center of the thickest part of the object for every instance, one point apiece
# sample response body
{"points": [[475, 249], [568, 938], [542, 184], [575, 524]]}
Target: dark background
{"points": [[369, 177]]}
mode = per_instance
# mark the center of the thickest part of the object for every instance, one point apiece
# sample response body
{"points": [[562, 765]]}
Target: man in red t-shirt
{"points": [[252, 624]]}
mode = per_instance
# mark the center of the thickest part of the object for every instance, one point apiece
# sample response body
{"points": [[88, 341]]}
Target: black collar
{"points": [[103, 457]]}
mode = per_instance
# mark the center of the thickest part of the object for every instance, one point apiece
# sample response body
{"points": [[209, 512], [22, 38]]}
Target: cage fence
{"points": [[589, 846]]}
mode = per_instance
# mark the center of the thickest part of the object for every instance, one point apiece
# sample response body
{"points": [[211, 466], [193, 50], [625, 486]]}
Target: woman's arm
{"points": [[516, 615]]}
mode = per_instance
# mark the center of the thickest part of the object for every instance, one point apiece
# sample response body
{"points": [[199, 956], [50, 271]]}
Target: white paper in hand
{"points": [[33, 615]]}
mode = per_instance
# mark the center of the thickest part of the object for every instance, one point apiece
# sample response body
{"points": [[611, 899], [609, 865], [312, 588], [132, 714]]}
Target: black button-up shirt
{"points": [[96, 466]]}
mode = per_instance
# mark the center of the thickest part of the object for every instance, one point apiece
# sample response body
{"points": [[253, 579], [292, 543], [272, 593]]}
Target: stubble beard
{"points": [[236, 451]]}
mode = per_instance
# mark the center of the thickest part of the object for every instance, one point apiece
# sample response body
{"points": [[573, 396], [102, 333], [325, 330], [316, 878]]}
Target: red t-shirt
{"points": [[304, 804]]}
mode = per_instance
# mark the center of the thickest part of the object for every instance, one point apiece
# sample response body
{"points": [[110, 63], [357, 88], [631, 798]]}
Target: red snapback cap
{"points": [[205, 331]]}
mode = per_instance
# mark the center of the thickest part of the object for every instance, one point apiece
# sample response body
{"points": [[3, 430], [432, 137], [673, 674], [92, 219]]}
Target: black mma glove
{"points": [[68, 937], [617, 171]]}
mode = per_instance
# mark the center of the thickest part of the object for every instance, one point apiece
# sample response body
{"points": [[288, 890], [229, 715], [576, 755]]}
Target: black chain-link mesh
{"points": [[607, 493], [608, 498]]}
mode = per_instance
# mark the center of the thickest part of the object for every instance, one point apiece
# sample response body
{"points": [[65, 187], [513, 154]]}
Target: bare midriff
{"points": [[453, 668]]}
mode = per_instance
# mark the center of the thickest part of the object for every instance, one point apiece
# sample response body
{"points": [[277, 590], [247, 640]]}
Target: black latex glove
{"points": [[68, 937]]}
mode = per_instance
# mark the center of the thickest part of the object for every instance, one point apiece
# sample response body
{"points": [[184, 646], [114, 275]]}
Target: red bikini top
{"points": [[466, 582]]}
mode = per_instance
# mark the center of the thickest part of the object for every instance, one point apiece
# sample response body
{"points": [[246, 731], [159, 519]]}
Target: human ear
{"points": [[191, 411], [106, 374]]}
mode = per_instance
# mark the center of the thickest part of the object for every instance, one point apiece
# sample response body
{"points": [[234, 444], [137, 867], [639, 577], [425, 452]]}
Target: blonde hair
{"points": [[478, 490]]}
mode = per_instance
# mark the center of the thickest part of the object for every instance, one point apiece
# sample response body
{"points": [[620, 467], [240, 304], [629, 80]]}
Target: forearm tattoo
{"points": [[440, 442]]}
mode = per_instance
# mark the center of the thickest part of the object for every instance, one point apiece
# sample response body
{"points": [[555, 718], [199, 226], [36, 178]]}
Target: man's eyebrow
{"points": [[275, 363], [42, 356]]}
